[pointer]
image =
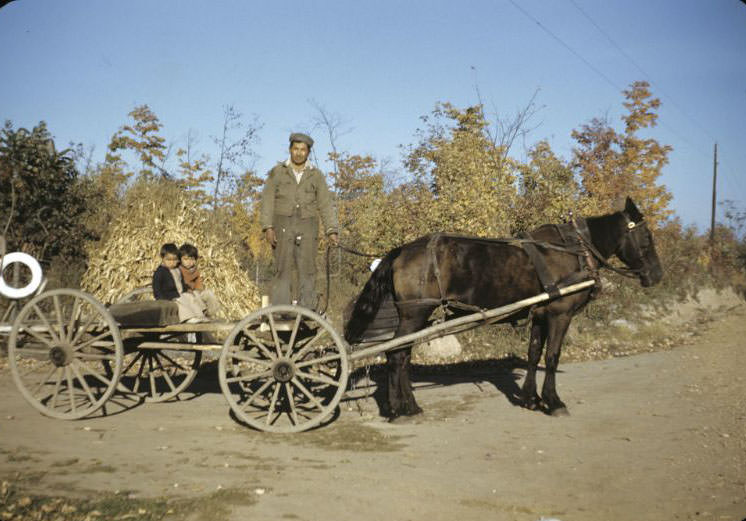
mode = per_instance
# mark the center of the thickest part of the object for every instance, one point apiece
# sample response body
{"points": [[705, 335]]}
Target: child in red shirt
{"points": [[188, 255]]}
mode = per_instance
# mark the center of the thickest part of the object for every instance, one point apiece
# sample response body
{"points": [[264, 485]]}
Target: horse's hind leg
{"points": [[401, 397], [557, 326], [531, 399], [401, 400]]}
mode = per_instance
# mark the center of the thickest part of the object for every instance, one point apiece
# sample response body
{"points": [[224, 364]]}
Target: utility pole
{"points": [[714, 192]]}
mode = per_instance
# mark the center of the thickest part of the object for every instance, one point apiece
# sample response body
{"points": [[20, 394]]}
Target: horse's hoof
{"points": [[412, 411], [560, 411], [532, 404]]}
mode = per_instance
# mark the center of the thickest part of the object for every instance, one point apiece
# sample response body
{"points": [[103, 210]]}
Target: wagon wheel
{"points": [[57, 345], [283, 369], [158, 375]]}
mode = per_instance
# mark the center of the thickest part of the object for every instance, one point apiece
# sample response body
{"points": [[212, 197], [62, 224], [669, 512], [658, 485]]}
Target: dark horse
{"points": [[488, 273]]}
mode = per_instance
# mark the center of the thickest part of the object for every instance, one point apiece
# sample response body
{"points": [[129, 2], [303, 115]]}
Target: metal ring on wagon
{"points": [[36, 275]]}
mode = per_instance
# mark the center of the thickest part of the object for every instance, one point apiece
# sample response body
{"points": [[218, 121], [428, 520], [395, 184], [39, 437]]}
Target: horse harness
{"points": [[575, 240]]}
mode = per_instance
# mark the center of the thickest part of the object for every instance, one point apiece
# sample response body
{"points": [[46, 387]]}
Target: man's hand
{"points": [[334, 239], [269, 234]]}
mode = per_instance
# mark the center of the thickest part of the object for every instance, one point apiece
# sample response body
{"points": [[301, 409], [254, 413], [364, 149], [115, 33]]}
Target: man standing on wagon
{"points": [[294, 195]]}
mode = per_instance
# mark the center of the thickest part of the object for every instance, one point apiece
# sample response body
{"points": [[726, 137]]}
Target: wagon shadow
{"points": [[370, 382], [206, 381], [504, 374]]}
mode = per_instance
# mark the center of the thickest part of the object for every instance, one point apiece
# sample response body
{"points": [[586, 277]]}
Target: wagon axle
{"points": [[61, 356], [283, 370]]}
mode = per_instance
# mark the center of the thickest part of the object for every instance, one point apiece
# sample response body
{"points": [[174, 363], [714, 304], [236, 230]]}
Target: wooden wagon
{"points": [[281, 368]]}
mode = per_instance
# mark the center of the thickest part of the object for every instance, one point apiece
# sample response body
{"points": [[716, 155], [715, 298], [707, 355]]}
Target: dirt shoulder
{"points": [[652, 436]]}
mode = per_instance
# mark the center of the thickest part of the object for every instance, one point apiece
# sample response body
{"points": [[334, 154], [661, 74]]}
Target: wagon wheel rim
{"points": [[283, 369], [156, 375], [56, 348]]}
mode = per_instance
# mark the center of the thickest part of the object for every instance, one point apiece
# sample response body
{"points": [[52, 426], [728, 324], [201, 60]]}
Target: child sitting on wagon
{"points": [[188, 255], [169, 285]]}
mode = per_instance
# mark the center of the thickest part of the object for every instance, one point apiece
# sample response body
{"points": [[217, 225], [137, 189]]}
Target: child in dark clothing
{"points": [[168, 285]]}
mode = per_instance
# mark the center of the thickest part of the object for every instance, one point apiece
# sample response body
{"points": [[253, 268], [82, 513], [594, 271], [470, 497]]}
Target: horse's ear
{"points": [[630, 208]]}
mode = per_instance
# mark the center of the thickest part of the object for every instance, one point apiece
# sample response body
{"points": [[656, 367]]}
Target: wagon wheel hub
{"points": [[283, 371], [60, 355]]}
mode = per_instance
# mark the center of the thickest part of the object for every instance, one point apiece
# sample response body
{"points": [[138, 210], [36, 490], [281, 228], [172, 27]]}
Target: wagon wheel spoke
{"points": [[135, 358], [74, 317], [273, 329], [56, 391], [81, 330], [42, 316], [318, 378], [49, 342], [34, 351], [82, 381], [291, 401], [166, 376], [44, 381], [172, 361], [248, 377], [70, 388], [91, 340], [238, 355], [257, 393], [273, 402], [322, 360], [291, 342], [264, 349], [308, 347], [94, 356], [58, 312], [308, 393], [98, 376]]}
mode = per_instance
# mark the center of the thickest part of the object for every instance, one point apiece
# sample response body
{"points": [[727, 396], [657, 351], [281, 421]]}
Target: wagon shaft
{"points": [[451, 325]]}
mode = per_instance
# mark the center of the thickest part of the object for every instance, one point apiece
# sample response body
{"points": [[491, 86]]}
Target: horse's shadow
{"points": [[500, 373], [504, 374]]}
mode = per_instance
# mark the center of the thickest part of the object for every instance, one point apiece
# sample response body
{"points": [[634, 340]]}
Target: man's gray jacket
{"points": [[282, 195]]}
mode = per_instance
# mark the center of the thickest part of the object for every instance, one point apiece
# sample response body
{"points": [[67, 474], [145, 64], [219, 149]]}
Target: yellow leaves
{"points": [[614, 165]]}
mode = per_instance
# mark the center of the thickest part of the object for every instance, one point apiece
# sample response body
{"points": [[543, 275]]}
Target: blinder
{"points": [[631, 229]]}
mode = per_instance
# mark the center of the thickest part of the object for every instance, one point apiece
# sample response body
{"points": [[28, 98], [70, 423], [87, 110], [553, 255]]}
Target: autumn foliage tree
{"points": [[613, 164], [462, 180], [548, 190]]}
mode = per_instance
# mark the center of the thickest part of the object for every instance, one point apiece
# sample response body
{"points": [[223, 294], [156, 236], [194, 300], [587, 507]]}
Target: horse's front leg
{"points": [[531, 399], [557, 328], [400, 396]]}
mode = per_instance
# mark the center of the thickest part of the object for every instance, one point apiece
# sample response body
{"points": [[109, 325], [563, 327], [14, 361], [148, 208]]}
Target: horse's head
{"points": [[636, 248]]}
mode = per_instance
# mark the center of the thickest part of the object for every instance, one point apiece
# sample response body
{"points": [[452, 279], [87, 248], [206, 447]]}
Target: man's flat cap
{"points": [[298, 137]]}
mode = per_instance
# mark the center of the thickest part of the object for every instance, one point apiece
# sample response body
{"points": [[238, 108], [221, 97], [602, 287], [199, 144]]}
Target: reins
{"points": [[586, 249]]}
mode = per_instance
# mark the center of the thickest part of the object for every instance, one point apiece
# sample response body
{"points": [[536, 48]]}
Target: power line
{"points": [[728, 172], [599, 72], [566, 46], [642, 71], [695, 147]]}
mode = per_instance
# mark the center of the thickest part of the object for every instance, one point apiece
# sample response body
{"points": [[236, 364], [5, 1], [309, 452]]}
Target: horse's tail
{"points": [[379, 285]]}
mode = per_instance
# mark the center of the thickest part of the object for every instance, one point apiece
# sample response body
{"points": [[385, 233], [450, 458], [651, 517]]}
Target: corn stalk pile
{"points": [[127, 257]]}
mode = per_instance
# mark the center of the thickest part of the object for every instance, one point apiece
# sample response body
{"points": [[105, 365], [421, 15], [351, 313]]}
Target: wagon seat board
{"points": [[148, 313]]}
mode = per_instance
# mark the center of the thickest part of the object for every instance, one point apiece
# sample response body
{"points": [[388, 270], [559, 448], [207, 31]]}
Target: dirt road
{"points": [[659, 436]]}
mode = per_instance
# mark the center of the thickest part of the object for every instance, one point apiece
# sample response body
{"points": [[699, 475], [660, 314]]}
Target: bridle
{"points": [[630, 227]]}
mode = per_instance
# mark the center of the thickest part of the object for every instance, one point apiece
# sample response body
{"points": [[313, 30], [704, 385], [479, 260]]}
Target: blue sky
{"points": [[81, 66]]}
